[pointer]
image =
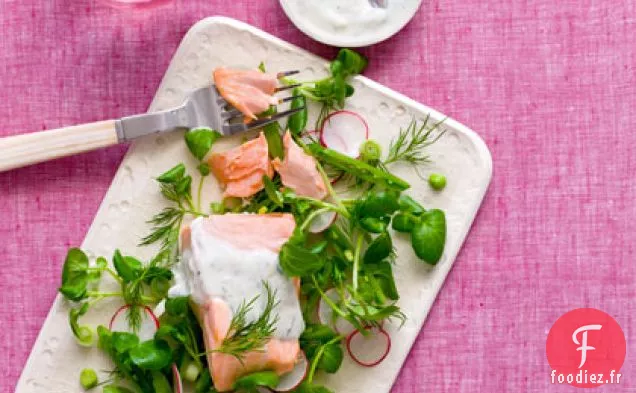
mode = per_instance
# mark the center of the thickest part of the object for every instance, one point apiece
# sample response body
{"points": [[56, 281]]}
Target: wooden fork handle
{"points": [[22, 150]]}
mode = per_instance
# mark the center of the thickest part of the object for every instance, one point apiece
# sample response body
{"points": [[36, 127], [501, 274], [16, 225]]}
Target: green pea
{"points": [[437, 181], [88, 378], [403, 222], [370, 152], [375, 225], [380, 248]]}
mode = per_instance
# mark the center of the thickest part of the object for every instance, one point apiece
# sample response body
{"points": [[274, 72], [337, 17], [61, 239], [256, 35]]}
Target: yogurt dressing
{"points": [[352, 17], [212, 267]]}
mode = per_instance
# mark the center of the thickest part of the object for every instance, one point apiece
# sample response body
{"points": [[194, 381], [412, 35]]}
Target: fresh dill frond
{"points": [[410, 144], [245, 336]]}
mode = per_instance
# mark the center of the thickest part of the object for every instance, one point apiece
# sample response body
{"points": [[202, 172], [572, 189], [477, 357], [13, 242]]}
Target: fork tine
{"points": [[295, 85], [287, 99], [286, 73], [230, 113], [234, 128], [265, 121]]}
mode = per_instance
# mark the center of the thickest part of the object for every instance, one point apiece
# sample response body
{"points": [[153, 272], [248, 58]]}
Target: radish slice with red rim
{"points": [[176, 376], [295, 377], [147, 329], [326, 317], [345, 132], [322, 221], [369, 350]]}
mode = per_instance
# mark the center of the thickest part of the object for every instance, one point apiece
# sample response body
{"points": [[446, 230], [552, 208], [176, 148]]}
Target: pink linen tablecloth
{"points": [[550, 85]]}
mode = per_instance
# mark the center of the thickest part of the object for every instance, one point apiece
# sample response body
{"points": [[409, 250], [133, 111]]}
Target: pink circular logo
{"points": [[586, 348]]}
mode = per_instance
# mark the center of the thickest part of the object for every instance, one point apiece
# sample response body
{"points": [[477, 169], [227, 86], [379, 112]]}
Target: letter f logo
{"points": [[583, 344]]}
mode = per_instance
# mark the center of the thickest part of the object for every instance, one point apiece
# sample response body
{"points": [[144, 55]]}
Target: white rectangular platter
{"points": [[56, 359]]}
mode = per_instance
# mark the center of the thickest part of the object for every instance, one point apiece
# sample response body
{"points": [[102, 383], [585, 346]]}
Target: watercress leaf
{"points": [[380, 248], [74, 275], [428, 237], [331, 358], [172, 175], [264, 378], [183, 186], [160, 383], [404, 222], [151, 355], [127, 267], [200, 140], [318, 332], [409, 205], [204, 169], [153, 272], [353, 63], [272, 193], [349, 90], [297, 261], [177, 306], [116, 389], [379, 203], [339, 90], [374, 225], [124, 341]]}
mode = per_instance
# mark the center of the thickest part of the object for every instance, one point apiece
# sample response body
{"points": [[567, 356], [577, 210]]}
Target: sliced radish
{"points": [[325, 314], [147, 329], [344, 131], [176, 376], [322, 221], [369, 350], [295, 377]]}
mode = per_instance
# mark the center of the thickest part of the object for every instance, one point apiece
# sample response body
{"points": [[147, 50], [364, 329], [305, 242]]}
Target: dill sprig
{"points": [[165, 229], [410, 144], [245, 336]]}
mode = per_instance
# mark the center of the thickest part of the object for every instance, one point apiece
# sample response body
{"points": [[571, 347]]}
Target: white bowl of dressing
{"points": [[350, 23]]}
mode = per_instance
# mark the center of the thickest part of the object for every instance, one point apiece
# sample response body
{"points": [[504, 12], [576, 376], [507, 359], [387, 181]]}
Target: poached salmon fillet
{"points": [[298, 171], [241, 169], [226, 261], [249, 91]]}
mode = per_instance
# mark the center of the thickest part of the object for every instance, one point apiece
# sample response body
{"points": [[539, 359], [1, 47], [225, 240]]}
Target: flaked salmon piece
{"points": [[249, 91], [298, 171], [241, 169], [245, 232]]}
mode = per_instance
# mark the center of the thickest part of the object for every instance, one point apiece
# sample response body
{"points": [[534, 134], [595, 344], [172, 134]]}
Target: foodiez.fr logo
{"points": [[585, 348]]}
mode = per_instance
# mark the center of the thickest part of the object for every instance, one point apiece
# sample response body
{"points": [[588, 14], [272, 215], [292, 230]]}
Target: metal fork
{"points": [[203, 107]]}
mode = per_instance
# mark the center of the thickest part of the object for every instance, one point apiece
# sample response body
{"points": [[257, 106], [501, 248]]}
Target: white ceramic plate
{"points": [[56, 359], [310, 23]]}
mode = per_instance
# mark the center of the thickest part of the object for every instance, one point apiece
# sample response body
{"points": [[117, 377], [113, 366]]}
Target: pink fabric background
{"points": [[550, 85]]}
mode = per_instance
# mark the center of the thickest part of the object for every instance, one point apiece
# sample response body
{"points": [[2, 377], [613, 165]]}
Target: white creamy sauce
{"points": [[352, 16], [215, 268]]}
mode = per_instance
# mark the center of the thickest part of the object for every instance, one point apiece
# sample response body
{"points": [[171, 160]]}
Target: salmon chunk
{"points": [[249, 91], [241, 170], [245, 237], [298, 171]]}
